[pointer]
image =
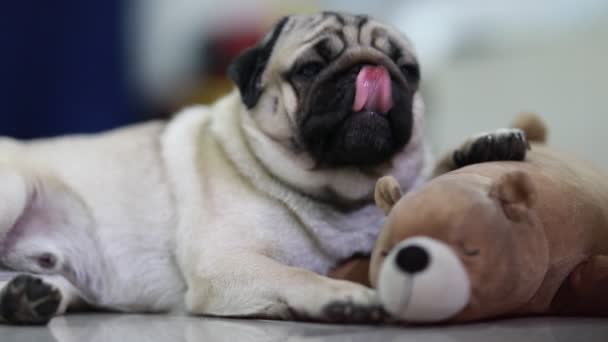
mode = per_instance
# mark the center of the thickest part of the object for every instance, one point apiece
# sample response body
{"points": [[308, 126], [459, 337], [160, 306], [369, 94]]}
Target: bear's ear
{"points": [[516, 194], [246, 69], [387, 193]]}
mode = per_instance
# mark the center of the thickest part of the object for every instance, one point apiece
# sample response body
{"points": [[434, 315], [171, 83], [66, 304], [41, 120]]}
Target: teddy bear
{"points": [[495, 239]]}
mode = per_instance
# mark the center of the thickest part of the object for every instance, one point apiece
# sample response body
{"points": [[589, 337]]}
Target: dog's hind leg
{"points": [[31, 299], [44, 229], [15, 195]]}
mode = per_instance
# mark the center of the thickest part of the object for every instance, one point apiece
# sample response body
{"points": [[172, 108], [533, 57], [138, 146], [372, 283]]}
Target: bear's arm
{"points": [[585, 291], [355, 270]]}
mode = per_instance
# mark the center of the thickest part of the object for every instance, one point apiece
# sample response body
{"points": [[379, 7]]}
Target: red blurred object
{"points": [[223, 47], [218, 50]]}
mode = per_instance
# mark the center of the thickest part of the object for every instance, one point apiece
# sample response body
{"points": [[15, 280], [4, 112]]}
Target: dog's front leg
{"points": [[505, 144], [253, 285]]}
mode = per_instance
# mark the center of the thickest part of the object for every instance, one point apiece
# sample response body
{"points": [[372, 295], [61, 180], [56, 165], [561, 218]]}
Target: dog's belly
{"points": [[120, 178]]}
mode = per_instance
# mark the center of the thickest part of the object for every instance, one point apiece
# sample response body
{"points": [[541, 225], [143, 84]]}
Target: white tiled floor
{"points": [[160, 328]]}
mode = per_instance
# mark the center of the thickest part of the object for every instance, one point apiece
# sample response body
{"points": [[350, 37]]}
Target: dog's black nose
{"points": [[412, 259]]}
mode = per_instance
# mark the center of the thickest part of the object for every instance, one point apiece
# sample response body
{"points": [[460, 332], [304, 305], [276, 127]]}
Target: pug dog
{"points": [[237, 209]]}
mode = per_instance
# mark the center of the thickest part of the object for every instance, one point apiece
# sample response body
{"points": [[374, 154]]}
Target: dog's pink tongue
{"points": [[373, 90]]}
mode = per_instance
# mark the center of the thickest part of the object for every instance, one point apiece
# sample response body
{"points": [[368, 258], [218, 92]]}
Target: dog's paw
{"points": [[343, 302], [356, 305], [503, 144], [350, 312], [29, 300]]}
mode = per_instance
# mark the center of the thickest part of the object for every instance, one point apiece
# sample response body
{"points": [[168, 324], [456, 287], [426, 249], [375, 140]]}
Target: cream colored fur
{"points": [[183, 216], [211, 213]]}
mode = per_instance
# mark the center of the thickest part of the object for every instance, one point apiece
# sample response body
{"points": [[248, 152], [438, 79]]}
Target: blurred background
{"points": [[72, 66]]}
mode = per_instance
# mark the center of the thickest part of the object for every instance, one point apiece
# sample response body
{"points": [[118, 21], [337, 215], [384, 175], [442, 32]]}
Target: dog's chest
{"points": [[332, 236], [229, 202]]}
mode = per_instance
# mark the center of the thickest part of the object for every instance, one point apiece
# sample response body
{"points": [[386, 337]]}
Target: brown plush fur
{"points": [[533, 235]]}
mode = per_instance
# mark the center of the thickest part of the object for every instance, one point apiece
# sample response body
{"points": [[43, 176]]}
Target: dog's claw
{"points": [[500, 145]]}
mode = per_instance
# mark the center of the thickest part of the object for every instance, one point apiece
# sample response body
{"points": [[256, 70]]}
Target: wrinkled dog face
{"points": [[338, 87]]}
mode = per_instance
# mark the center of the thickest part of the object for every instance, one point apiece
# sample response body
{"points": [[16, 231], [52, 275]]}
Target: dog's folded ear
{"points": [[246, 69]]}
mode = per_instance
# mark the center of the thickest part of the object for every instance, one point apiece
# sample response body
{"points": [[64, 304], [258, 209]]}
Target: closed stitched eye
{"points": [[467, 250]]}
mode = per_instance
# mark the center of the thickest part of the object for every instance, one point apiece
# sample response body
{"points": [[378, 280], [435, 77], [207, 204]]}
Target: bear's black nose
{"points": [[412, 259]]}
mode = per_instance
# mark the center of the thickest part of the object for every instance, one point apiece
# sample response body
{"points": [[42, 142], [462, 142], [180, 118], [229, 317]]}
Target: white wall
{"points": [[565, 81]]}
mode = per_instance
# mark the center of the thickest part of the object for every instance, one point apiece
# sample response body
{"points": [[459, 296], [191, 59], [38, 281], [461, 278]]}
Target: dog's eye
{"points": [[411, 72], [309, 70]]}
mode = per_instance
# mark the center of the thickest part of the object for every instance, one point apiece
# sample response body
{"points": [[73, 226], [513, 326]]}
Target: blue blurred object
{"points": [[63, 67]]}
